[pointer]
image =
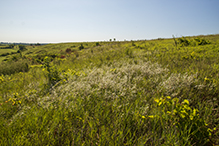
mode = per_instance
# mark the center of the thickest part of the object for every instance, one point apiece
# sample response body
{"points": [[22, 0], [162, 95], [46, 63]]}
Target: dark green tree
{"points": [[11, 46], [22, 47], [81, 47]]}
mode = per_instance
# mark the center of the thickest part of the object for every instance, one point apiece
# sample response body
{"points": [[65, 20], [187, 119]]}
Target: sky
{"points": [[54, 21]]}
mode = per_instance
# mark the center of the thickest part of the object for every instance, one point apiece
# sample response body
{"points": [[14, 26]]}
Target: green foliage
{"points": [[81, 47], [182, 117], [197, 41], [22, 47], [97, 44], [8, 68], [51, 72], [202, 41], [5, 54], [150, 93], [11, 46], [133, 44], [183, 41]]}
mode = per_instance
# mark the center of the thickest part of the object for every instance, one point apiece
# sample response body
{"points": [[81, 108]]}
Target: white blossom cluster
{"points": [[120, 79], [175, 82]]}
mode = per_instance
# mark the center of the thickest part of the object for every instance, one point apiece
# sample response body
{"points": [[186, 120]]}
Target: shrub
{"points": [[51, 72], [22, 47], [11, 46], [68, 50], [97, 44], [13, 67], [81, 47], [5, 54], [53, 55], [183, 41], [202, 41]]}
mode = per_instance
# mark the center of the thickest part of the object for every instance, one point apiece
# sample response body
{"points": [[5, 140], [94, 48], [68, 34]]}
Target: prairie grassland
{"points": [[155, 92]]}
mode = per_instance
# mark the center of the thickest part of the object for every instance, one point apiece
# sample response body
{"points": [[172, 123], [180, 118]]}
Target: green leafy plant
{"points": [[81, 47], [22, 47], [202, 41], [8, 68], [97, 44], [182, 117], [183, 41], [51, 72]]}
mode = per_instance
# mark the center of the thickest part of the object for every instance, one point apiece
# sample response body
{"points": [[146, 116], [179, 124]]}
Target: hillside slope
{"points": [[112, 93]]}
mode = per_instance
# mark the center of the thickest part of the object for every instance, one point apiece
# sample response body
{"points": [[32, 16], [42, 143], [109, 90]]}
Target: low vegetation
{"points": [[156, 92]]}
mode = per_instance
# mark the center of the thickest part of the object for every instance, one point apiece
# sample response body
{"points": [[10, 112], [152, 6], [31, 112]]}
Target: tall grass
{"points": [[13, 67], [116, 94]]}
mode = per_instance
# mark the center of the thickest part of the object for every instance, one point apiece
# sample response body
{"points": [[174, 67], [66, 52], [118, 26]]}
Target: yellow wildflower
{"points": [[183, 111], [210, 130], [2, 79], [182, 115], [156, 100], [186, 101], [191, 117], [168, 112], [151, 116], [194, 112], [159, 103], [143, 117], [187, 107]]}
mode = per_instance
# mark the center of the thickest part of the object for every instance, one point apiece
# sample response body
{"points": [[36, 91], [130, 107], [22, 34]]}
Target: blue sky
{"points": [[100, 20]]}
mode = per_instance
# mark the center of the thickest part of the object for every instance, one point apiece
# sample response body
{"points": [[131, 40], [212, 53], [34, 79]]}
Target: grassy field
{"points": [[147, 92], [2, 51]]}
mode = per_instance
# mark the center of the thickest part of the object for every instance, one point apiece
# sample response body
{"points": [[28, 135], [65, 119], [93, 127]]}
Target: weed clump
{"points": [[81, 47], [51, 73], [9, 68], [194, 42]]}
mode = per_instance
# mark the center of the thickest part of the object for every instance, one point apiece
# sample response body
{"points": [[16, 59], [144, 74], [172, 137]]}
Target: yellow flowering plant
{"points": [[181, 115], [15, 99]]}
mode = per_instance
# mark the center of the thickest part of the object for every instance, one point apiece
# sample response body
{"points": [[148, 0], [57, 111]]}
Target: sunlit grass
{"points": [[113, 93]]}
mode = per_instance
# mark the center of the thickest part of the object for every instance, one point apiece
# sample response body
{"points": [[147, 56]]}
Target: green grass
{"points": [[2, 51], [2, 58], [117, 93]]}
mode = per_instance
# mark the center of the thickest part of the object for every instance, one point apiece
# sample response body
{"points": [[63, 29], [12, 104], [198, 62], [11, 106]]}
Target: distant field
{"points": [[2, 51], [2, 58]]}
